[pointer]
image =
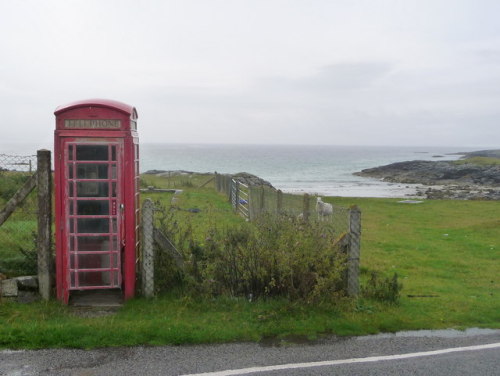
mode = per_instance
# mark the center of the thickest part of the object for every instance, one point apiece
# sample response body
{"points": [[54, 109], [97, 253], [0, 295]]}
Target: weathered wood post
{"points": [[44, 249], [217, 181], [227, 186], [306, 207], [354, 251], [262, 203], [236, 197], [279, 201], [18, 198], [148, 269]]}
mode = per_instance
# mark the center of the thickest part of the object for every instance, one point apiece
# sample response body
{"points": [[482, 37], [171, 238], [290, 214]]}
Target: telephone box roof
{"points": [[130, 110]]}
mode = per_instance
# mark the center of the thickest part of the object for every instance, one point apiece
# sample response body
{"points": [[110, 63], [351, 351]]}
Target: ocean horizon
{"points": [[316, 169], [325, 170]]}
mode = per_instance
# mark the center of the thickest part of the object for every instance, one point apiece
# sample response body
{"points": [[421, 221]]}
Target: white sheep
{"points": [[323, 209]]}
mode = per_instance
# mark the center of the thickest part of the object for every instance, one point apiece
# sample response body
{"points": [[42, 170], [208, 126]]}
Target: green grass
{"points": [[445, 249], [480, 161], [16, 234], [446, 254], [214, 207]]}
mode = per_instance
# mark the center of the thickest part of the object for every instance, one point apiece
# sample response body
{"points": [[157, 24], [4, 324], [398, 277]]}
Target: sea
{"points": [[325, 170]]}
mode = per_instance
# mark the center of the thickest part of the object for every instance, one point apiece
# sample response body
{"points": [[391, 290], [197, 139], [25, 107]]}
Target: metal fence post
{"points": [[148, 269], [44, 195], [354, 251]]}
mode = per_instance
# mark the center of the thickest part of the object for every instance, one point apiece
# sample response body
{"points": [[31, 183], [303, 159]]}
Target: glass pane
{"points": [[113, 189], [94, 279], [92, 171], [113, 153], [72, 279], [115, 244], [92, 189], [113, 172], [93, 225], [113, 221], [115, 279], [70, 152], [72, 243], [70, 189], [70, 204], [70, 173], [92, 152], [93, 261], [114, 258], [93, 243], [94, 207], [71, 225]]}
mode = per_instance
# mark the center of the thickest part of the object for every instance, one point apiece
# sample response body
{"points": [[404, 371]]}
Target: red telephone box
{"points": [[96, 157]]}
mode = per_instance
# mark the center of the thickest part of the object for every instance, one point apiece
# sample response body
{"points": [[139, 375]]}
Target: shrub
{"points": [[274, 256], [24, 264], [383, 289]]}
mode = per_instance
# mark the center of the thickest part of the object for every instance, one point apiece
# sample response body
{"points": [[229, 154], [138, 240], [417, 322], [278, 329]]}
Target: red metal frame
{"points": [[85, 124]]}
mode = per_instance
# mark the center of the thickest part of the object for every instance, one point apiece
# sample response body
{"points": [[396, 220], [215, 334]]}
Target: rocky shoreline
{"points": [[470, 178]]}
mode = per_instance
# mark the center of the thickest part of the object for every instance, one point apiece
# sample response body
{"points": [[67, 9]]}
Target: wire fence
{"points": [[254, 200], [161, 261], [251, 201], [18, 230]]}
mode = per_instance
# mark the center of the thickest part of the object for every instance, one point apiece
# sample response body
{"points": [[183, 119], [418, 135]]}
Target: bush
{"points": [[26, 263], [383, 289], [10, 182], [274, 256]]}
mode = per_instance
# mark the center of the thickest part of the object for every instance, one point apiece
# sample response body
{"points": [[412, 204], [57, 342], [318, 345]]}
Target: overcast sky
{"points": [[341, 72]]}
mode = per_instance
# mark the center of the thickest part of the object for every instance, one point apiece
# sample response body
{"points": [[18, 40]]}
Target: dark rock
{"points": [[461, 180], [435, 173], [29, 282], [251, 180], [483, 153]]}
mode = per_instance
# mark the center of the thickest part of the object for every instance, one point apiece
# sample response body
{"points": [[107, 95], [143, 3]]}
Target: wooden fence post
{"points": [[236, 195], [354, 251], [148, 269], [279, 201], [44, 195], [217, 182], [18, 198], [306, 207], [262, 203]]}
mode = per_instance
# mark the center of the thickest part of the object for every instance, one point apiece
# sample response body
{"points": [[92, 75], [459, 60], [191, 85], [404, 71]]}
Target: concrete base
{"points": [[96, 298]]}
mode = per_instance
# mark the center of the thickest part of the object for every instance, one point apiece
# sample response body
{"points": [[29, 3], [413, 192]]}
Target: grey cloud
{"points": [[491, 56], [347, 76], [335, 77]]}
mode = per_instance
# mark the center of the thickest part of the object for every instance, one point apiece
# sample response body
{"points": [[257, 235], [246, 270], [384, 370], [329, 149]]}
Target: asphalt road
{"points": [[475, 352]]}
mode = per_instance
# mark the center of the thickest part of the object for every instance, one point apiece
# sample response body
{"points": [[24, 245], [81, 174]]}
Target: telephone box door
{"points": [[93, 205]]}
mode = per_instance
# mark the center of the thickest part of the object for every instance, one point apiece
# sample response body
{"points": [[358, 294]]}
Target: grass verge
{"points": [[446, 254]]}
